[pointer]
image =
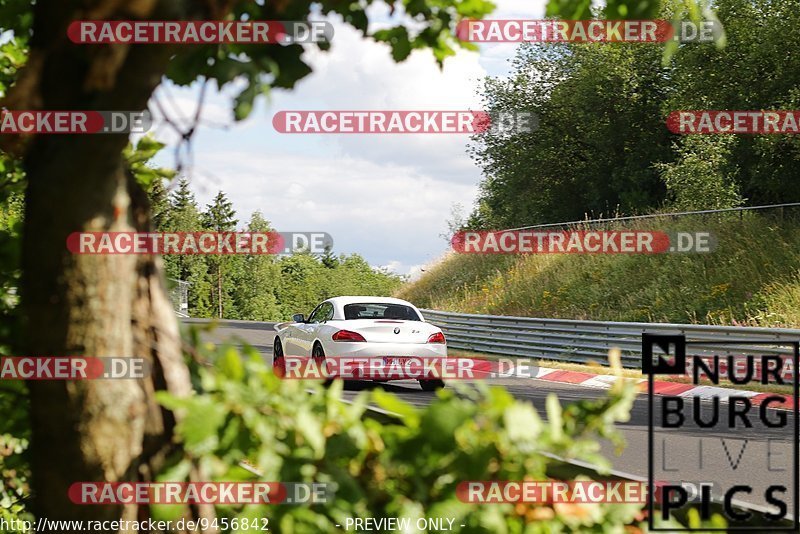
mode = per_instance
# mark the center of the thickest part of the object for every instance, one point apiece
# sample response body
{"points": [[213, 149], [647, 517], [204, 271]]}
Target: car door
{"points": [[307, 332], [322, 314], [296, 334]]}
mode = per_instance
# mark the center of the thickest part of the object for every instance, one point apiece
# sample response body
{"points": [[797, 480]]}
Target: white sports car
{"points": [[361, 327]]}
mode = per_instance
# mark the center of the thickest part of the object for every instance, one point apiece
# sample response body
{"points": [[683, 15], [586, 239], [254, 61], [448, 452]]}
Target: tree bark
{"points": [[106, 305]]}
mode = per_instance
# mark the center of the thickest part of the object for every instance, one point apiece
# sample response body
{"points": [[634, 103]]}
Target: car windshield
{"points": [[370, 310]]}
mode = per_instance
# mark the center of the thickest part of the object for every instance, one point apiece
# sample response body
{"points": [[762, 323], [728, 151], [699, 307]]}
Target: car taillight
{"points": [[347, 335], [438, 337]]}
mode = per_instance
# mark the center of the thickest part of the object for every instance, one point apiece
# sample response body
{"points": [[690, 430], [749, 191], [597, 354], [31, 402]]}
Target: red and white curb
{"points": [[660, 387]]}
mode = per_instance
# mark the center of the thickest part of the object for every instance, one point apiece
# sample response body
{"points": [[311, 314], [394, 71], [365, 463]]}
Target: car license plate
{"points": [[395, 360]]}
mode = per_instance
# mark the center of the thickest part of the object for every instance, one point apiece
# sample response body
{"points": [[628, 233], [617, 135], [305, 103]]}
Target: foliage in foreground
{"points": [[242, 412]]}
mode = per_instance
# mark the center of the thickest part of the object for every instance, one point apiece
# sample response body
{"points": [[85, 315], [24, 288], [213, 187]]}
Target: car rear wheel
{"points": [[278, 361], [432, 384], [318, 355]]}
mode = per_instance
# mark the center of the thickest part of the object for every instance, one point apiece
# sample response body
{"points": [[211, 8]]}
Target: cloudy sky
{"points": [[386, 197]]}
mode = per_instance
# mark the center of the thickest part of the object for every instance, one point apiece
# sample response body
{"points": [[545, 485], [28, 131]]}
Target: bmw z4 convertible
{"points": [[384, 328]]}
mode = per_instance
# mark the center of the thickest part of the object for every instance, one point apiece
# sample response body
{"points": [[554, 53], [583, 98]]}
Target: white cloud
{"points": [[372, 81], [381, 211]]}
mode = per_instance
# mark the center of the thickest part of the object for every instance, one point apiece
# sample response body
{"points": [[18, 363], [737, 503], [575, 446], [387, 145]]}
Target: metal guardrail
{"points": [[588, 223], [586, 341]]}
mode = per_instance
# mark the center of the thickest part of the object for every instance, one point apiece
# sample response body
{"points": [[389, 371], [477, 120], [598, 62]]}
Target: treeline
{"points": [[602, 146], [254, 287]]}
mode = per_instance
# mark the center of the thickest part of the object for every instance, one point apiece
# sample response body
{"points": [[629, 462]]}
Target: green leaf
{"points": [[310, 427], [170, 401], [201, 424], [176, 473], [473, 9], [554, 417], [357, 18], [243, 104], [569, 9], [440, 421], [632, 10], [392, 403], [401, 47], [230, 364]]}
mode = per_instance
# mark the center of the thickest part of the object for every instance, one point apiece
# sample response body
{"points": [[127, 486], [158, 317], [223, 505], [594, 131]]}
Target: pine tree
{"points": [[183, 196], [160, 206], [220, 217], [328, 258], [258, 223], [185, 217]]}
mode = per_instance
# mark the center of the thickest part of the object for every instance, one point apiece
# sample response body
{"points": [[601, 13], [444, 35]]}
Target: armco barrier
{"points": [[585, 341]]}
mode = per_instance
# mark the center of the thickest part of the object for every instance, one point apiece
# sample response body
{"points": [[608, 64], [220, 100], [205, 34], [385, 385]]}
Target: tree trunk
{"points": [[104, 305]]}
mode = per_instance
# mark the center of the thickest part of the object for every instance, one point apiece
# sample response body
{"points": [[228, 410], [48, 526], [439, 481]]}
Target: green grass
{"points": [[752, 278]]}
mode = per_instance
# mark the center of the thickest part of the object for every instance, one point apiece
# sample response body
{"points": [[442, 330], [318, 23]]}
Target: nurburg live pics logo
{"points": [[667, 355]]}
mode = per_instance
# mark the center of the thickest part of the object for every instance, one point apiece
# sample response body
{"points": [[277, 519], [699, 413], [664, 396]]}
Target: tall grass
{"points": [[752, 277]]}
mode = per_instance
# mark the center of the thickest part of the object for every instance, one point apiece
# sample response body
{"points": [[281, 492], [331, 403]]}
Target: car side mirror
{"points": [[299, 318]]}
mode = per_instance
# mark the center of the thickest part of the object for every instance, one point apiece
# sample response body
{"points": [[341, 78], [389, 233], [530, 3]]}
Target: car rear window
{"points": [[375, 310]]}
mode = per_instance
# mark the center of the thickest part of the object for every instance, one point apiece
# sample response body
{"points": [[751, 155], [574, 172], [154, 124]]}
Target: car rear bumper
{"points": [[380, 362], [374, 350]]}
